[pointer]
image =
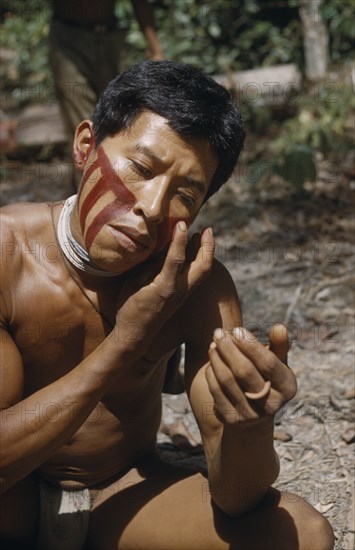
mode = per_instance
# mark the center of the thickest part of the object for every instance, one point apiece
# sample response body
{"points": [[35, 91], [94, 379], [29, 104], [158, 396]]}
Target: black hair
{"points": [[193, 104]]}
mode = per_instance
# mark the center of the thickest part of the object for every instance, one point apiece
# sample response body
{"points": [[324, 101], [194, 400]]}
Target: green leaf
{"points": [[214, 30], [299, 166]]}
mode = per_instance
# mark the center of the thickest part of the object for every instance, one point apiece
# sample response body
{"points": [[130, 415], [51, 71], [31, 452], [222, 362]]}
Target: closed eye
{"points": [[187, 199], [141, 170]]}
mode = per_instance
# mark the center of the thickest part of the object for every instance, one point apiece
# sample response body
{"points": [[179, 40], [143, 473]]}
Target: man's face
{"points": [[136, 185]]}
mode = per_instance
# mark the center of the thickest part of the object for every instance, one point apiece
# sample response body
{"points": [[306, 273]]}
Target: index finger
{"points": [[166, 280], [176, 255], [202, 264], [177, 271]]}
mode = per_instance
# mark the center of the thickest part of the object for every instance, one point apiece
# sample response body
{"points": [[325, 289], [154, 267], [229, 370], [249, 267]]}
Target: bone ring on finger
{"points": [[260, 394]]}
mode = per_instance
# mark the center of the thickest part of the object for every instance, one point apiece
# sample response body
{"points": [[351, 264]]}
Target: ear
{"points": [[84, 143]]}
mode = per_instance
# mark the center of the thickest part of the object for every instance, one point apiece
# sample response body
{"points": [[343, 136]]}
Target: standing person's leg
{"points": [[157, 506], [83, 62], [109, 58], [69, 56]]}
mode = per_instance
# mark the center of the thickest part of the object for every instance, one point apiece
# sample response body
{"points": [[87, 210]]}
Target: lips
{"points": [[132, 236]]}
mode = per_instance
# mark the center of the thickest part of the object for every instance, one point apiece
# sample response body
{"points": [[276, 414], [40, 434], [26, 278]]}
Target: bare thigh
{"points": [[157, 506], [19, 514]]}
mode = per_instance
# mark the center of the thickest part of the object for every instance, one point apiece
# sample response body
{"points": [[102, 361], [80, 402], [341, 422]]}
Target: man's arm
{"points": [[144, 15], [27, 443], [237, 432], [32, 429]]}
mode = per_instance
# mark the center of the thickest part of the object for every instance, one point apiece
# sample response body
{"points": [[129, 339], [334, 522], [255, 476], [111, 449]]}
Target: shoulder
{"points": [[217, 290], [22, 215], [220, 280], [11, 233], [23, 226], [24, 221], [215, 303]]}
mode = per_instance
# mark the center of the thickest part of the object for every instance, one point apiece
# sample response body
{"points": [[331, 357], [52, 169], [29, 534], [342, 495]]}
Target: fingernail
{"points": [[182, 226], [219, 334], [238, 333], [208, 230], [213, 345]]}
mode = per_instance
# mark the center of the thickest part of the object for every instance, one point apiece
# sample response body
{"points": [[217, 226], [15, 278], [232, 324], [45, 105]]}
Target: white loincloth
{"points": [[64, 518]]}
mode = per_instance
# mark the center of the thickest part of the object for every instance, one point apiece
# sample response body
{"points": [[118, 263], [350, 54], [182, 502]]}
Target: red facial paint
{"points": [[109, 181], [125, 200], [88, 173]]}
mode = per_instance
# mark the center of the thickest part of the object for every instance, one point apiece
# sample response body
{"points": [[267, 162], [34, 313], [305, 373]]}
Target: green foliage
{"points": [[322, 123], [339, 16], [24, 32], [297, 166], [324, 120], [219, 35]]}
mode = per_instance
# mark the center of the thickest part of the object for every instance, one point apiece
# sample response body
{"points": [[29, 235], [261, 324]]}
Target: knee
{"points": [[323, 533], [314, 530]]}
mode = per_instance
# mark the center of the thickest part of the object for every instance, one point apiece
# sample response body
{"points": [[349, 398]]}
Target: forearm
{"points": [[144, 15], [33, 429], [243, 467]]}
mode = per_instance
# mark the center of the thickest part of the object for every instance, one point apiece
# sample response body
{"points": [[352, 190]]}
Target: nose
{"points": [[153, 200]]}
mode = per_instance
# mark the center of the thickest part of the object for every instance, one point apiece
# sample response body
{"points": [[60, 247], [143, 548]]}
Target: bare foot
{"points": [[179, 434]]}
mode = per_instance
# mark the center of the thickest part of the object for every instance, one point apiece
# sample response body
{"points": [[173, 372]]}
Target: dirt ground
{"points": [[292, 259]]}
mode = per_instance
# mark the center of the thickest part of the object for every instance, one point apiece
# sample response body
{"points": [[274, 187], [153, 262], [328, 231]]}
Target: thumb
{"points": [[279, 342]]}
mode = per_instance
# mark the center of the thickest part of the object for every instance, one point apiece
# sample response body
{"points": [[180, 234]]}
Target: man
{"points": [[86, 51], [97, 294]]}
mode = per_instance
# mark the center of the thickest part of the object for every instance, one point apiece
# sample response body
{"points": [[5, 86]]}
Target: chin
{"points": [[119, 264], [113, 256]]}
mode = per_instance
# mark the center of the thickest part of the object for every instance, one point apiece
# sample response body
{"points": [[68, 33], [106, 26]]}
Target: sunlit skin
{"points": [[135, 187], [81, 401], [109, 180]]}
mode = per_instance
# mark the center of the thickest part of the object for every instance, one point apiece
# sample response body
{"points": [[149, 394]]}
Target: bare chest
{"points": [[55, 325]]}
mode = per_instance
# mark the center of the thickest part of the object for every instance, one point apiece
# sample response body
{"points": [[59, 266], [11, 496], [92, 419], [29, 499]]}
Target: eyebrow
{"points": [[199, 185], [148, 152]]}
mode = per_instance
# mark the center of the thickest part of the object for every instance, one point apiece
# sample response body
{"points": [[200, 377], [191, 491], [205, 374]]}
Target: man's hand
{"points": [[157, 292], [249, 381]]}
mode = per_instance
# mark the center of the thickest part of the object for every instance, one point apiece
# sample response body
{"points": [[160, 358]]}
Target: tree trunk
{"points": [[315, 39]]}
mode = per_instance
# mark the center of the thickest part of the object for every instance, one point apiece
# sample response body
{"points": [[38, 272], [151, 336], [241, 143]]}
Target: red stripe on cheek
{"points": [[92, 197], [109, 181], [95, 165], [108, 213]]}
